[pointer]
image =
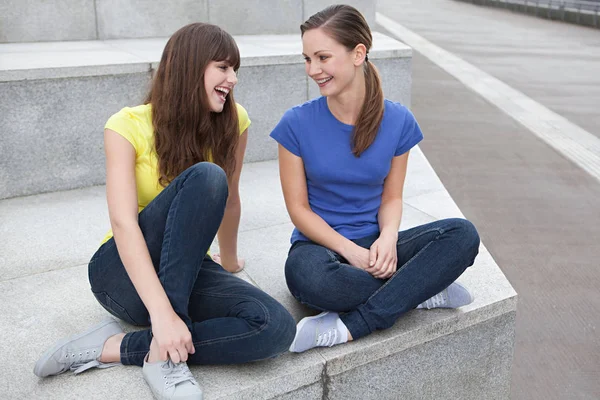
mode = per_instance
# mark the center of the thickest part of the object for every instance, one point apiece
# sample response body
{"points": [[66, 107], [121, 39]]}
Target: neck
{"points": [[347, 105]]}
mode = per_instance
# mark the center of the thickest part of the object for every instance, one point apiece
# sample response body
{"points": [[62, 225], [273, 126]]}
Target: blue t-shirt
{"points": [[343, 189]]}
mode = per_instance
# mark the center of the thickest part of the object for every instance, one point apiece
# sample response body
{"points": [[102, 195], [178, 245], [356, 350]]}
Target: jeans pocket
{"points": [[114, 308]]}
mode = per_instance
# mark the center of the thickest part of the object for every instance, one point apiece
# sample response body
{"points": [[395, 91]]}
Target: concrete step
{"points": [[41, 20], [44, 294], [56, 97]]}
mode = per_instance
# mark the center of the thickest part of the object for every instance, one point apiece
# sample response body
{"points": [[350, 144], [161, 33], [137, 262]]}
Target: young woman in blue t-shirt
{"points": [[342, 160]]}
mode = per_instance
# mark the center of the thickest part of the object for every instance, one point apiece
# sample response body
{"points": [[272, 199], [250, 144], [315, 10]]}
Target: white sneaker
{"points": [[454, 296], [325, 329], [169, 381]]}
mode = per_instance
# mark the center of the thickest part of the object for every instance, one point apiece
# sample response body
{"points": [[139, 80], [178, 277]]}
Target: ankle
{"points": [[111, 352], [154, 353]]}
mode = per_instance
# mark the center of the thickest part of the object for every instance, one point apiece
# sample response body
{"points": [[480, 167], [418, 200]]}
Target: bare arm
{"points": [[121, 195], [228, 231], [384, 249], [293, 183]]}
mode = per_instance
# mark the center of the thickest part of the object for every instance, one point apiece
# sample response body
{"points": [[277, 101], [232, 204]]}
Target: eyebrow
{"points": [[316, 52]]}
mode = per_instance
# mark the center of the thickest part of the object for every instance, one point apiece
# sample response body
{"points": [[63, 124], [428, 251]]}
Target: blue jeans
{"points": [[231, 321], [430, 258]]}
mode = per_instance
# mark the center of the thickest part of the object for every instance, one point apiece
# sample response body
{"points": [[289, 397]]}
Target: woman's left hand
{"points": [[383, 256], [233, 268]]}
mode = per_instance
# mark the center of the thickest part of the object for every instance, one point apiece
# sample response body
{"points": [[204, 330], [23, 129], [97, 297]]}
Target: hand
{"points": [[173, 338], [234, 267], [357, 256], [383, 256]]}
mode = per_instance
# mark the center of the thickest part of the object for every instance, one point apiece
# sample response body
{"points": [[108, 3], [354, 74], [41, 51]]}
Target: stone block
{"points": [[119, 19], [51, 130], [266, 92], [39, 20], [470, 364], [254, 17]]}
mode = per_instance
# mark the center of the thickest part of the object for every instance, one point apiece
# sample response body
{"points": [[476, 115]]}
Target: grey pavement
{"points": [[538, 213], [552, 62]]}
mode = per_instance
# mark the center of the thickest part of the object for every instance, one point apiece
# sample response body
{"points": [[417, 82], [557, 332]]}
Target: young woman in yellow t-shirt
{"points": [[173, 167]]}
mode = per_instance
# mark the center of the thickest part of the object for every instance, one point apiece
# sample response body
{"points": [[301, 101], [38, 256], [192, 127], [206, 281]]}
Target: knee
{"points": [[277, 329], [283, 330], [209, 177], [466, 236]]}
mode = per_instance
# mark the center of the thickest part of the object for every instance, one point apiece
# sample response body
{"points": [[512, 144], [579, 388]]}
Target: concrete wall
{"points": [[41, 20], [53, 118]]}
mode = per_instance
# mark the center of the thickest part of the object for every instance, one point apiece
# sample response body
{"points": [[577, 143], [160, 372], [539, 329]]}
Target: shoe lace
{"points": [[176, 374], [438, 300], [84, 360], [327, 338]]}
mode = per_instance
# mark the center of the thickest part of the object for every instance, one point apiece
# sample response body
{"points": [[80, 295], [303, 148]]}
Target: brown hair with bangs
{"points": [[185, 130], [347, 26]]}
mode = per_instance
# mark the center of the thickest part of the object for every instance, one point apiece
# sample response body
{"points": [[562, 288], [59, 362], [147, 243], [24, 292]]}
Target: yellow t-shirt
{"points": [[135, 125]]}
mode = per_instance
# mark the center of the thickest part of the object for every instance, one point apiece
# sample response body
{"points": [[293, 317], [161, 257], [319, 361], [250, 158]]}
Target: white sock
{"points": [[343, 330]]}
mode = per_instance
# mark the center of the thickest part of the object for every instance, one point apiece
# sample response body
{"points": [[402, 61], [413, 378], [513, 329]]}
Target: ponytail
{"points": [[371, 113]]}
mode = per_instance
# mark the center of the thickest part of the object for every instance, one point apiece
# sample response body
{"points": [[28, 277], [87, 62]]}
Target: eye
{"points": [[223, 67], [307, 59], [323, 58]]}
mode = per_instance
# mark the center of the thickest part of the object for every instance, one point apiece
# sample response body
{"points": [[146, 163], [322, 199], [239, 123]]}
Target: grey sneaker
{"points": [[325, 329], [78, 353], [454, 296], [169, 381]]}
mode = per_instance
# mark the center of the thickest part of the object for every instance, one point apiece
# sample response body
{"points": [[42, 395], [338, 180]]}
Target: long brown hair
{"points": [[347, 26], [185, 129]]}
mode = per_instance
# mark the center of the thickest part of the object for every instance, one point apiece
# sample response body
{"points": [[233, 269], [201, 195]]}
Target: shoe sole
{"points": [[300, 326], [60, 344]]}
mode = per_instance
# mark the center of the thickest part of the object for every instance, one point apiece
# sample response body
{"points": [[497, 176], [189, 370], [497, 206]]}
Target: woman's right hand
{"points": [[173, 338], [357, 256]]}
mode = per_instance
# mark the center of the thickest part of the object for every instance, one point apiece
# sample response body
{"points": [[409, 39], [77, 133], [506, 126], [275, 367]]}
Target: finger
{"points": [[183, 354], [385, 269], [190, 347], [373, 255], [174, 355], [393, 267], [163, 353]]}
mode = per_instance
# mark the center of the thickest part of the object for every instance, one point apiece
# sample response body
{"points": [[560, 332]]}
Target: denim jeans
{"points": [[231, 321], [430, 258]]}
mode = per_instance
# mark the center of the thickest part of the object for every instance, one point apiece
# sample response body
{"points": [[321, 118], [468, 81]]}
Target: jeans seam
{"points": [[243, 335], [417, 234]]}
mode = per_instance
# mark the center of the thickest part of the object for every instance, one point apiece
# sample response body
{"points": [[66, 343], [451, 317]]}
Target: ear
{"points": [[360, 51]]}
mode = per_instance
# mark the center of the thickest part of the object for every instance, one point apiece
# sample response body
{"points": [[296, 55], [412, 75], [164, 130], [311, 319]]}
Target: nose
{"points": [[232, 77], [313, 69]]}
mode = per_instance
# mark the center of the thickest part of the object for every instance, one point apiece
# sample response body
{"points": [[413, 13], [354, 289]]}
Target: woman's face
{"points": [[219, 80], [328, 62]]}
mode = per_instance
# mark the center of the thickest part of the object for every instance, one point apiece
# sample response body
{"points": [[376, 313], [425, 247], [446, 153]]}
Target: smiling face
{"points": [[219, 80], [328, 62]]}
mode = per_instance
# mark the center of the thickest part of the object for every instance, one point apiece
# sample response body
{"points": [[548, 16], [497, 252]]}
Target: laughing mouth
{"points": [[222, 91], [324, 80]]}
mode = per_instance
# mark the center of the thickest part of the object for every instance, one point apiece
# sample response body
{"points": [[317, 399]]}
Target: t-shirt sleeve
{"points": [[243, 118], [411, 134], [126, 125], [285, 135]]}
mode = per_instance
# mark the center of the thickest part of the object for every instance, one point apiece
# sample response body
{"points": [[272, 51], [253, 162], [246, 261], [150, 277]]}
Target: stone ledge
{"points": [[27, 61], [56, 233]]}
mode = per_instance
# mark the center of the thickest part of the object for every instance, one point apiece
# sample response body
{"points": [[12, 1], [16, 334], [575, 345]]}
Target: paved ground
{"points": [[538, 213], [555, 63]]}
